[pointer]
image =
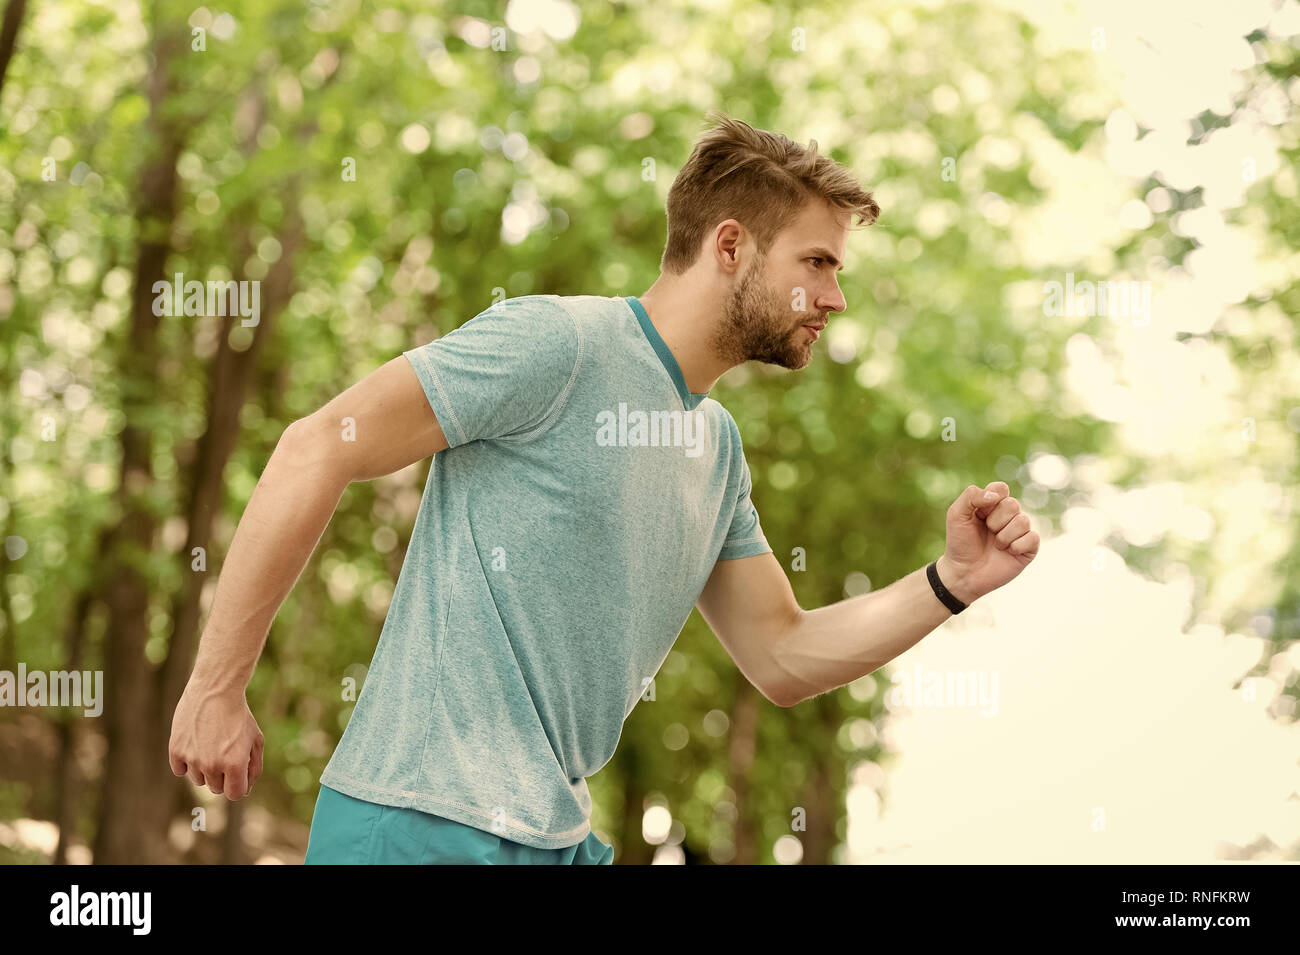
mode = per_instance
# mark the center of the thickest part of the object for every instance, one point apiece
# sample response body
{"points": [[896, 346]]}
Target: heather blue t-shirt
{"points": [[561, 543]]}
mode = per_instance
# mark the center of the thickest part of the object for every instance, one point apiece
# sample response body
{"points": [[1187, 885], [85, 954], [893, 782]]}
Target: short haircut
{"points": [[760, 179]]}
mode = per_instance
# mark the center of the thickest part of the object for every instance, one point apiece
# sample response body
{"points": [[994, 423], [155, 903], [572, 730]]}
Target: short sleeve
{"points": [[505, 373], [745, 536]]}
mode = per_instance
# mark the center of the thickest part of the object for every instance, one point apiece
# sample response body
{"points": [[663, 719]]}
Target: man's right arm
{"points": [[379, 425]]}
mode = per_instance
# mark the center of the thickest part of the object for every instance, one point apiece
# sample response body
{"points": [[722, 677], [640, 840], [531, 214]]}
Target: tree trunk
{"points": [[820, 798], [232, 839], [9, 635], [633, 850], [13, 21], [66, 779], [131, 808], [744, 731]]}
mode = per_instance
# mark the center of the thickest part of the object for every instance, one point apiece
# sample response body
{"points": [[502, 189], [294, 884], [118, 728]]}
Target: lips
{"points": [[816, 330]]}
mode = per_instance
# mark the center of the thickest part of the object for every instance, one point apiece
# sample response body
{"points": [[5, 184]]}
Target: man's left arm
{"points": [[792, 654]]}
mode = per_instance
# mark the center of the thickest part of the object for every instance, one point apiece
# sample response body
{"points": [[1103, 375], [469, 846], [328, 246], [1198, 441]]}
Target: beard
{"points": [[758, 325]]}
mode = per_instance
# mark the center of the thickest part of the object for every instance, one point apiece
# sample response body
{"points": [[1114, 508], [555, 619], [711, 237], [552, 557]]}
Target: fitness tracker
{"points": [[942, 592]]}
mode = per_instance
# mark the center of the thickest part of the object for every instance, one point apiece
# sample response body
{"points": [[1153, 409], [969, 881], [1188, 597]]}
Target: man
{"points": [[584, 494]]}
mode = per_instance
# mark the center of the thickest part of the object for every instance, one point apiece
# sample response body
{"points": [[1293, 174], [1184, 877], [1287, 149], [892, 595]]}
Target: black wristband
{"points": [[942, 592]]}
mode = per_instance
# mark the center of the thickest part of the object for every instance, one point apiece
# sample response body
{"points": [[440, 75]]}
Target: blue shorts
{"points": [[350, 831]]}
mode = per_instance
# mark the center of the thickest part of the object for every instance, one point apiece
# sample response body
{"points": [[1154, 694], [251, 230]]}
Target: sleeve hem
{"points": [[437, 398], [749, 547]]}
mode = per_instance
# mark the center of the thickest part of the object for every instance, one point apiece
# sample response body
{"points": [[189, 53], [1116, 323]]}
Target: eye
{"points": [[819, 261]]}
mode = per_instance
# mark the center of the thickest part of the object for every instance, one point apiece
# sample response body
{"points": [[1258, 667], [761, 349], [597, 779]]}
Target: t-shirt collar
{"points": [[689, 398]]}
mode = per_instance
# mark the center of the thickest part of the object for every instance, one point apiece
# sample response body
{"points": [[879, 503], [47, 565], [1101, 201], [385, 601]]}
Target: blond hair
{"points": [[760, 179]]}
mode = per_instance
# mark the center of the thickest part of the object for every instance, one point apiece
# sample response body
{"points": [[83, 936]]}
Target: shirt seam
{"points": [[739, 550], [654, 350], [432, 371], [561, 400], [437, 678]]}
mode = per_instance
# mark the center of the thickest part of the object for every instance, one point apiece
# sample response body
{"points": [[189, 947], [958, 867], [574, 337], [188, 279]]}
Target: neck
{"points": [[684, 318]]}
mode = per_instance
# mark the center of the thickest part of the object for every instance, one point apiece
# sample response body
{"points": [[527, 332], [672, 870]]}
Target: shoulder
{"points": [[518, 338], [544, 311], [538, 324], [602, 312], [729, 440], [731, 448], [717, 411]]}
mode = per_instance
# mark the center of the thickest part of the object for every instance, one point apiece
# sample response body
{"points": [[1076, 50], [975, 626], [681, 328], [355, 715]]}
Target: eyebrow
{"points": [[828, 256]]}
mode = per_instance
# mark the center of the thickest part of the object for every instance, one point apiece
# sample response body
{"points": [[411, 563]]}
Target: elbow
{"points": [[314, 448], [782, 699], [782, 689], [782, 695], [299, 443], [294, 438]]}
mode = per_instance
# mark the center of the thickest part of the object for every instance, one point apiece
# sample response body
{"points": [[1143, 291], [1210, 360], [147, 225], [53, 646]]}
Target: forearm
{"points": [[285, 518], [836, 644]]}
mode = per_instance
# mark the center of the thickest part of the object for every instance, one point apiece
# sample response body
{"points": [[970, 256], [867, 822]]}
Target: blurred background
{"points": [[383, 168]]}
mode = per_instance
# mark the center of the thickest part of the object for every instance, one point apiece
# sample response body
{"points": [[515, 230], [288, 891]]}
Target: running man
{"points": [[585, 493]]}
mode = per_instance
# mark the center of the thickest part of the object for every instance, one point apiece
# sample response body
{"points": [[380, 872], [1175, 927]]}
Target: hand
{"points": [[215, 741], [989, 542]]}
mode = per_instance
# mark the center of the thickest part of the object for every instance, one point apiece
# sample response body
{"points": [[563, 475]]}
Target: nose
{"points": [[833, 302]]}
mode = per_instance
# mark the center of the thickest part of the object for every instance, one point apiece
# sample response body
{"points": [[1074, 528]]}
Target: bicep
{"points": [[381, 424], [749, 605]]}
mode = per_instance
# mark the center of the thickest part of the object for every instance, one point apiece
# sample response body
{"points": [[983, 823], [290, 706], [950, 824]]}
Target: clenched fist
{"points": [[989, 542], [215, 741]]}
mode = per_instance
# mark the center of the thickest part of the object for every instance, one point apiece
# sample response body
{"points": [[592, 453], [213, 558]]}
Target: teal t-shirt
{"points": [[561, 543]]}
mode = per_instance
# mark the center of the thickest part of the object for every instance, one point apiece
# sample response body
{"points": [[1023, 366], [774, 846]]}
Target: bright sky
{"points": [[1118, 736], [1110, 735]]}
